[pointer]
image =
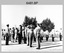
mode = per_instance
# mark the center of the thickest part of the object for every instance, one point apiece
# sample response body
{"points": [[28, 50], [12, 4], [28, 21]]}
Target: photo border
{"points": [[23, 2]]}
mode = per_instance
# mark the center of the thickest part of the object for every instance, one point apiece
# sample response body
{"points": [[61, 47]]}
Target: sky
{"points": [[15, 14]]}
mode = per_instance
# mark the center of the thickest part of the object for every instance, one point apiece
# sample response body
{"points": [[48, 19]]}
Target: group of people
{"points": [[27, 36]]}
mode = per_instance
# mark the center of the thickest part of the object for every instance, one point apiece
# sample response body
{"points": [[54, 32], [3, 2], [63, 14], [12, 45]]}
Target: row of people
{"points": [[16, 34]]}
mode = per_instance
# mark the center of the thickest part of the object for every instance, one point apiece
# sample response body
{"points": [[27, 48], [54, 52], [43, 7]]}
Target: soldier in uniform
{"points": [[20, 34], [38, 37], [7, 34], [60, 36], [53, 37], [30, 33], [13, 33], [31, 37]]}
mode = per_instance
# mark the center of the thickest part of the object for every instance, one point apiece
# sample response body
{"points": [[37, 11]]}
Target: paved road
{"points": [[49, 46]]}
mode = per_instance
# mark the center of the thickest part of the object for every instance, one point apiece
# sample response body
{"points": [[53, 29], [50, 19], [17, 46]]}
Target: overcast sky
{"points": [[15, 14]]}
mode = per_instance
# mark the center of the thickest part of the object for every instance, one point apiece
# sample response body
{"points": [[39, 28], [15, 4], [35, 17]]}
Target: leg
{"points": [[28, 41], [38, 43], [31, 41]]}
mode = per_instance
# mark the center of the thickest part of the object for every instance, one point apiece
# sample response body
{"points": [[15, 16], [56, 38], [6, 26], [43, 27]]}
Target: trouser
{"points": [[13, 37], [34, 39], [24, 39], [7, 39], [46, 38], [4, 37], [41, 38], [38, 41], [30, 39], [52, 38], [60, 38], [19, 38]]}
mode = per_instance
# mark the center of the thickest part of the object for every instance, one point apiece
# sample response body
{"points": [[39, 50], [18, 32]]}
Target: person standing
{"points": [[24, 36], [60, 36], [20, 34], [38, 38], [53, 37], [47, 36], [12, 35], [7, 34], [15, 35], [31, 37], [4, 34]]}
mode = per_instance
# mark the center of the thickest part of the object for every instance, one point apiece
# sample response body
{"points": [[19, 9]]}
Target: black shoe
{"points": [[37, 48], [30, 46], [7, 44]]}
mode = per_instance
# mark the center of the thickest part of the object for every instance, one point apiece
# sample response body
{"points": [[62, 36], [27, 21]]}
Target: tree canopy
{"points": [[30, 21], [47, 25]]}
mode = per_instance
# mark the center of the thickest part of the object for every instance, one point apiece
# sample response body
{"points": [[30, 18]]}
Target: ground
{"points": [[46, 46]]}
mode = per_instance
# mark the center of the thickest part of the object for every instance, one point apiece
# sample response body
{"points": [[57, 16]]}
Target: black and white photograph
{"points": [[31, 28]]}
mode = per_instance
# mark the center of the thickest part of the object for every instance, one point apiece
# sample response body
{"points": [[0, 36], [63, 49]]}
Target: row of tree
{"points": [[45, 24]]}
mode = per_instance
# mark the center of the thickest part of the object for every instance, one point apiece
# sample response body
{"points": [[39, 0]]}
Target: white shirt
{"points": [[7, 30]]}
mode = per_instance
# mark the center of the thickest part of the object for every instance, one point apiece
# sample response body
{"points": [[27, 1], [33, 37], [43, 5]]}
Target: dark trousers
{"points": [[41, 38], [28, 40], [13, 36], [34, 39], [25, 39], [7, 39], [39, 41], [19, 38], [46, 38], [4, 37], [52, 38], [60, 38]]}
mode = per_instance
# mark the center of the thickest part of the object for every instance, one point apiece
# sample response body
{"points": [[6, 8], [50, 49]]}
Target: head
{"points": [[7, 25], [4, 29], [20, 26], [10, 28], [60, 33], [16, 28]]}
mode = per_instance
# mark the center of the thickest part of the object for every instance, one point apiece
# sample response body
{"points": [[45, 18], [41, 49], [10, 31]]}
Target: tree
{"points": [[30, 21], [33, 22], [47, 25], [26, 21]]}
